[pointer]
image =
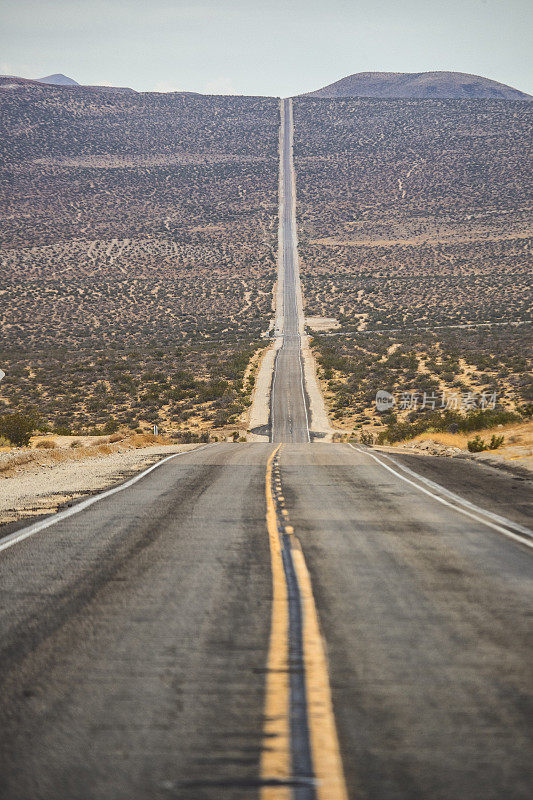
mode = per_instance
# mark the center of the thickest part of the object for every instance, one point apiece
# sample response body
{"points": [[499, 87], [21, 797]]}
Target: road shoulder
{"points": [[39, 486]]}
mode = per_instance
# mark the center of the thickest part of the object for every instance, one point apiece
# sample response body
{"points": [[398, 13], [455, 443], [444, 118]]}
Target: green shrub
{"points": [[476, 445], [18, 428], [187, 437], [111, 426], [444, 421]]}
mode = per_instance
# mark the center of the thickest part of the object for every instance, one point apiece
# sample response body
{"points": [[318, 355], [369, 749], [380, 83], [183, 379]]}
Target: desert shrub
{"points": [[76, 443], [63, 430], [476, 445], [478, 420], [187, 437], [366, 438], [111, 426], [399, 431], [446, 421], [18, 428], [211, 391], [46, 444]]}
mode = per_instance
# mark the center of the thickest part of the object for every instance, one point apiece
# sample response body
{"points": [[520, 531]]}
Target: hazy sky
{"points": [[268, 48]]}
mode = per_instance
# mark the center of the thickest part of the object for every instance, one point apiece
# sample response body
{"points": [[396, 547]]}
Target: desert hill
{"points": [[15, 82], [62, 83], [58, 80], [450, 85]]}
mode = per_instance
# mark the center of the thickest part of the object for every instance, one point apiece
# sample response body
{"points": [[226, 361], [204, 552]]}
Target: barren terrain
{"points": [[415, 233], [133, 224]]}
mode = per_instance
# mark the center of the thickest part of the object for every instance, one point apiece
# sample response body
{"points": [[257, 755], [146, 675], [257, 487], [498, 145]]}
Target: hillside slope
{"points": [[450, 85], [59, 80]]}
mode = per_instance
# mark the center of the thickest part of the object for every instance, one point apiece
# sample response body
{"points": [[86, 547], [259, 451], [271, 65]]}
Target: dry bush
{"points": [[18, 461], [46, 444]]}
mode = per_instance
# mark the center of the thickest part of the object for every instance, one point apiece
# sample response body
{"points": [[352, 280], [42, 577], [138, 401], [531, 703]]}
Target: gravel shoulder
{"points": [[33, 483], [258, 429]]}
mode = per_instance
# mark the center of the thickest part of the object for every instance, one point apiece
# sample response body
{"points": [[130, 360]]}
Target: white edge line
{"points": [[458, 499], [303, 392], [296, 270], [30, 530], [272, 390], [477, 517]]}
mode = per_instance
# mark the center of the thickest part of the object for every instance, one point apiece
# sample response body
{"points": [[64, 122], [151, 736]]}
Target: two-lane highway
{"points": [[289, 415], [165, 641]]}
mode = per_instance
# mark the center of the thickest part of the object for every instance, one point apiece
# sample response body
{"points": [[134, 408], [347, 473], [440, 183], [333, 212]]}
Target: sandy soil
{"points": [[322, 323], [320, 423], [260, 408], [34, 482]]}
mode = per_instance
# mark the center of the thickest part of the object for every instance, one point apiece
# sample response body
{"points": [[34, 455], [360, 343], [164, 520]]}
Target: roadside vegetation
{"points": [[186, 390], [478, 445], [461, 366], [415, 231], [141, 289], [451, 422]]}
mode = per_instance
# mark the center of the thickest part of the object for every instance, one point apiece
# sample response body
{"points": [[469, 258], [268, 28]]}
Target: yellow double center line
{"points": [[277, 760]]}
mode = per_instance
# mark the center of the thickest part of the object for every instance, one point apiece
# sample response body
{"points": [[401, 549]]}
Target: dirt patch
{"points": [[322, 323], [35, 482]]}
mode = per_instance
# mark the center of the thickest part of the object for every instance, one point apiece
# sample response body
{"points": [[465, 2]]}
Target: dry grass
{"points": [[516, 436], [14, 461]]}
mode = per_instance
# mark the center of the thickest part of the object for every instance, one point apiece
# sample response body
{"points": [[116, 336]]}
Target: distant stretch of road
{"points": [[289, 416], [273, 621]]}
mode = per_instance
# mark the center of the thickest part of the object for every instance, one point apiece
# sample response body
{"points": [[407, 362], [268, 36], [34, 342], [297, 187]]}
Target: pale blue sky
{"points": [[268, 48]]}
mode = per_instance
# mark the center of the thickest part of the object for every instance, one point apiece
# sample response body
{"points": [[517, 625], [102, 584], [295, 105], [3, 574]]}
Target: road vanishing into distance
{"points": [[275, 621], [289, 414]]}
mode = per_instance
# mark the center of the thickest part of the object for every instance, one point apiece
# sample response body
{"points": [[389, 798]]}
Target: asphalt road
{"points": [[427, 617], [135, 634], [164, 641], [133, 639], [289, 420]]}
